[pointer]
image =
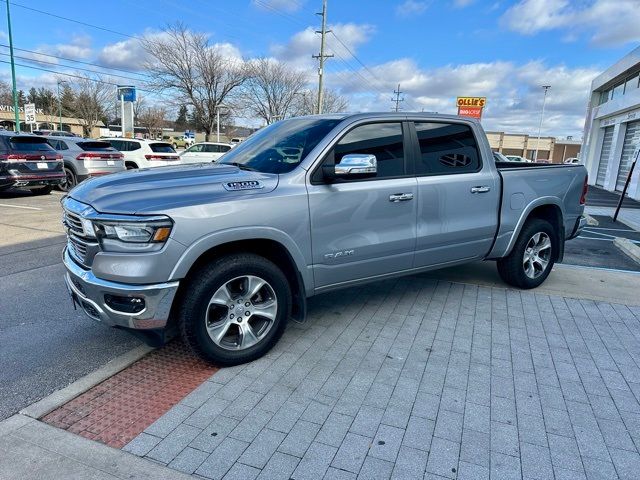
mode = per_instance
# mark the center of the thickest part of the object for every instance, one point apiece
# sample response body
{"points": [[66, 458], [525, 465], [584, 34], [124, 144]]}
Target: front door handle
{"points": [[400, 197], [483, 189]]}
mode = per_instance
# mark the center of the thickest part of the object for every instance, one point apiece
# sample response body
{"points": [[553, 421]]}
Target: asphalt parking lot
{"points": [[45, 343]]}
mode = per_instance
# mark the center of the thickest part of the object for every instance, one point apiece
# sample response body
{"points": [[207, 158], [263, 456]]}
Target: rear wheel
{"points": [[42, 190], [235, 309], [532, 258], [70, 180]]}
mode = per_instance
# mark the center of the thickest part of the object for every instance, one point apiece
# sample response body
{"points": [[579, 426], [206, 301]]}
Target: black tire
{"points": [[130, 165], [511, 268], [70, 180], [46, 190], [192, 311]]}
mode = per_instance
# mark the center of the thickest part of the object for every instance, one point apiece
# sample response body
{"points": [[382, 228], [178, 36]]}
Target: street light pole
{"points": [[59, 105], [544, 100], [16, 108]]}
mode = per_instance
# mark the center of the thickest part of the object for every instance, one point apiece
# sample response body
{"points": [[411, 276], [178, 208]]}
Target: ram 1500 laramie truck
{"points": [[227, 253]]}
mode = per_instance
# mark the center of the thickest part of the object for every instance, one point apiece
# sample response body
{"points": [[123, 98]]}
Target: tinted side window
{"points": [[62, 145], [224, 148], [131, 146], [446, 148], [117, 144], [384, 140]]}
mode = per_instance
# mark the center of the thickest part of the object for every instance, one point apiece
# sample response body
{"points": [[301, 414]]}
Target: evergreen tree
{"points": [[181, 120], [33, 96]]}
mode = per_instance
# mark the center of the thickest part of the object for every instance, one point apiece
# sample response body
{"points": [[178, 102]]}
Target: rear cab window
{"points": [[446, 148]]}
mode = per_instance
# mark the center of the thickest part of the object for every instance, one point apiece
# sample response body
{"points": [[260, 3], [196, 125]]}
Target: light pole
{"points": [[60, 105], [16, 108], [544, 100]]}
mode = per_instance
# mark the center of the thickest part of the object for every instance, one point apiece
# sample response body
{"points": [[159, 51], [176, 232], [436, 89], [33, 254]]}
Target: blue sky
{"points": [[436, 49]]}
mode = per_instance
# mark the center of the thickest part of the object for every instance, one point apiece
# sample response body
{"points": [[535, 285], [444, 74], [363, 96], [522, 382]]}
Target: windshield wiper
{"points": [[241, 166]]}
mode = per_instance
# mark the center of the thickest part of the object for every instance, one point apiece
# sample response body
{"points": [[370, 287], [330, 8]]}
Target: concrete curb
{"points": [[629, 223], [60, 397], [627, 247]]}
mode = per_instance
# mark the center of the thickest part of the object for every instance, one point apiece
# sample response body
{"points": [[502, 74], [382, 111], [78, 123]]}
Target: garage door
{"points": [[631, 139], [604, 155]]}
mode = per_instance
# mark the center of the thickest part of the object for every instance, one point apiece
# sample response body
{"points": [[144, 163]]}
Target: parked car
{"points": [[517, 158], [139, 153], [204, 152], [227, 252], [57, 133], [28, 161], [572, 161], [85, 159], [236, 140], [178, 141], [499, 157]]}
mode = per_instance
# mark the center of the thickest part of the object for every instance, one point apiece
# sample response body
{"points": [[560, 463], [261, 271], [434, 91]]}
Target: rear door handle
{"points": [[483, 189], [400, 197]]}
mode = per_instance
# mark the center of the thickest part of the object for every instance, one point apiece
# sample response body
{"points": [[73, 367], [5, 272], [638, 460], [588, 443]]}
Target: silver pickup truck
{"points": [[228, 252]]}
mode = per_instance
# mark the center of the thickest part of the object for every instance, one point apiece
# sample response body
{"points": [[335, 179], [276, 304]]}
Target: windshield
{"points": [[279, 148]]}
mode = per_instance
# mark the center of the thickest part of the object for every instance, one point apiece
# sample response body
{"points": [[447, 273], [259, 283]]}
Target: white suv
{"points": [[140, 153]]}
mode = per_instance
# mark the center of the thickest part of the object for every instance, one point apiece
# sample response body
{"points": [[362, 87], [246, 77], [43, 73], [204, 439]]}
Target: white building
{"points": [[612, 127]]}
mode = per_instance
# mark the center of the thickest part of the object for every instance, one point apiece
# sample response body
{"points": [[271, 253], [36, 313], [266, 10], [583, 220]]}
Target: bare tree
{"points": [[272, 89], [92, 98], [138, 107], [332, 102], [153, 119], [197, 73]]}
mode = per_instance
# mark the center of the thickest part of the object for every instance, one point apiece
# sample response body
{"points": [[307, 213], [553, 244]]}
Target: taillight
{"points": [[585, 190], [100, 156], [161, 157], [58, 157]]}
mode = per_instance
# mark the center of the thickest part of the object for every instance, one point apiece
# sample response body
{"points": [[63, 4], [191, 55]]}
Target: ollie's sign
{"points": [[471, 106]]}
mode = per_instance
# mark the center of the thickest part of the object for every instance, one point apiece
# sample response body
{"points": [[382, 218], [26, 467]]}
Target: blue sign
{"points": [[127, 93]]}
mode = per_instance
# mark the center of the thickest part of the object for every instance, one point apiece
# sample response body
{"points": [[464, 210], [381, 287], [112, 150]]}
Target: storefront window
{"points": [[618, 90], [631, 84]]}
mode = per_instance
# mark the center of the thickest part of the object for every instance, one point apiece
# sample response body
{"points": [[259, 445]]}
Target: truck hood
{"points": [[155, 190]]}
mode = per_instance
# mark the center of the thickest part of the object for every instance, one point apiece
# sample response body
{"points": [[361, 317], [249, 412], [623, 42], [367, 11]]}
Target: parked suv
{"points": [[227, 252], [204, 152], [85, 159], [178, 141], [29, 161], [140, 153]]}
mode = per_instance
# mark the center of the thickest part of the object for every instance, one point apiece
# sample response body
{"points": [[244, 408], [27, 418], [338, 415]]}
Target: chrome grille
{"points": [[78, 248], [73, 222]]}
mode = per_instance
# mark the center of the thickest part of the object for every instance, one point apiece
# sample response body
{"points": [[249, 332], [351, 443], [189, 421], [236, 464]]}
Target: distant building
{"points": [[550, 148], [612, 126], [43, 122]]}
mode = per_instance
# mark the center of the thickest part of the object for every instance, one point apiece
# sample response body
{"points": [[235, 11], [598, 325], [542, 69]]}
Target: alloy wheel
{"points": [[537, 255]]}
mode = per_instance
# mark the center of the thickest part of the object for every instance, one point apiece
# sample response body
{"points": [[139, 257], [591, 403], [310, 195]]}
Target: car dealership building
{"points": [[612, 127]]}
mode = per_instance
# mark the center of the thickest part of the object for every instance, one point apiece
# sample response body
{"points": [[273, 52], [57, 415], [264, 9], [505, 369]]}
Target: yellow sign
{"points": [[471, 102]]}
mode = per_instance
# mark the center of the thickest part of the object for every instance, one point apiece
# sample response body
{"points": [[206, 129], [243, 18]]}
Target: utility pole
{"points": [[16, 107], [321, 56], [397, 99], [60, 104], [544, 100]]}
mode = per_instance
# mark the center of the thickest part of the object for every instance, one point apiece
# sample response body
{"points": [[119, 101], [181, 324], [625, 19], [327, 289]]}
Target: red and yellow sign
{"points": [[471, 106]]}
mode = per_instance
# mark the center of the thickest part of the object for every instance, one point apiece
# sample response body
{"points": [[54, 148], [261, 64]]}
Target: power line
{"points": [[70, 66], [104, 29], [66, 59], [397, 100]]}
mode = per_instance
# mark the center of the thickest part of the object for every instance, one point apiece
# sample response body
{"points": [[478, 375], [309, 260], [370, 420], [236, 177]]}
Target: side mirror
{"points": [[354, 165]]}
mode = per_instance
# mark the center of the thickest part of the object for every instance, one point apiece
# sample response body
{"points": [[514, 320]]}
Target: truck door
{"points": [[366, 227], [458, 196]]}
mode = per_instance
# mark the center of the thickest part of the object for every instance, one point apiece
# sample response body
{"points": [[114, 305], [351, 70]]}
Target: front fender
{"points": [[207, 242]]}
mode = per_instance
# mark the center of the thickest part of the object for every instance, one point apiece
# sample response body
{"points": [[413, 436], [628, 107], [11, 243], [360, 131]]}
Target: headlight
{"points": [[138, 234]]}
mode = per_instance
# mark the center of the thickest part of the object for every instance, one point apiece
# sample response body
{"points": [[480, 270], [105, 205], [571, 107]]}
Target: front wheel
{"points": [[234, 310], [70, 180], [532, 258]]}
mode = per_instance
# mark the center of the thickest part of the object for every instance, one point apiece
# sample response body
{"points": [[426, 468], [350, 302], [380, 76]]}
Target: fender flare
{"points": [[538, 202], [212, 240]]}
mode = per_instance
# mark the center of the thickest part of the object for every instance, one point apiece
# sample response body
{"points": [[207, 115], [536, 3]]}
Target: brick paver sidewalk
{"points": [[413, 378]]}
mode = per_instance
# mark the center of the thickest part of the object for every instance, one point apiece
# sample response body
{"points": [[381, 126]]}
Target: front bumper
{"points": [[581, 223], [89, 292]]}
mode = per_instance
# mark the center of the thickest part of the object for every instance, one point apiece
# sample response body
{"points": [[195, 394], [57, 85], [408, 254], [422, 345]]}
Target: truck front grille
{"points": [[81, 248]]}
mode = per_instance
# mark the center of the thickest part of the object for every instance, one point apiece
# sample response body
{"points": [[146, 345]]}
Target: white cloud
{"points": [[411, 7], [127, 54], [462, 3], [79, 48], [513, 92], [606, 22], [286, 5], [298, 50]]}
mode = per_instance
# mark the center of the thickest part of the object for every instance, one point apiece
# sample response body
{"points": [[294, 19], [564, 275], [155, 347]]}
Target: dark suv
{"points": [[30, 162]]}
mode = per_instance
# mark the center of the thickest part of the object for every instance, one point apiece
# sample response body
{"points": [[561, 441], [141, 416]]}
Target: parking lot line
{"points": [[19, 206]]}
